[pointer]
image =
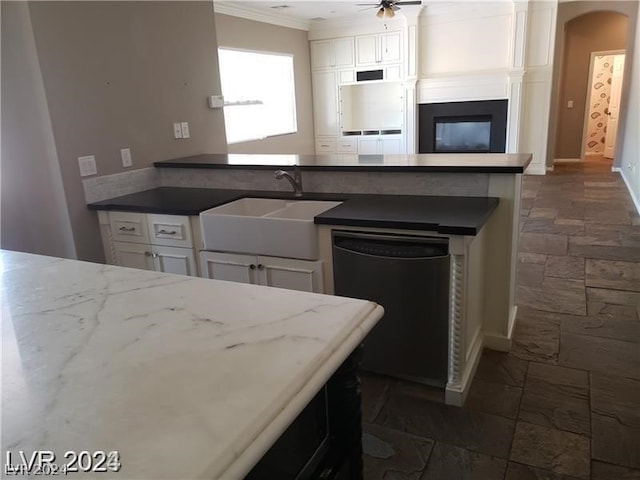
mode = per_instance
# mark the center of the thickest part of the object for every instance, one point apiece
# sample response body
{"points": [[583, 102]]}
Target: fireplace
{"points": [[463, 127]]}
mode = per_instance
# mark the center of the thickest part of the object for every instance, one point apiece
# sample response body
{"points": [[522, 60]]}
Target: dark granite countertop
{"points": [[447, 215], [424, 162], [442, 214]]}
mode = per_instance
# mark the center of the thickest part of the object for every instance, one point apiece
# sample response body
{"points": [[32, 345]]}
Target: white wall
{"points": [[629, 146], [34, 209]]}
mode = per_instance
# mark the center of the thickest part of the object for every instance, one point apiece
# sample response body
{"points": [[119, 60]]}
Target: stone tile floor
{"points": [[565, 402]]}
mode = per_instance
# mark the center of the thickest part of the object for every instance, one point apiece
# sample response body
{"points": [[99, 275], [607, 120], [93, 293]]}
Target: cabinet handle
{"points": [[127, 229], [147, 254], [252, 266], [260, 266], [167, 232]]}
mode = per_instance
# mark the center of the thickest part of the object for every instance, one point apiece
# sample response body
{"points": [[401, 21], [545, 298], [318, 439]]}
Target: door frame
{"points": [[585, 120]]}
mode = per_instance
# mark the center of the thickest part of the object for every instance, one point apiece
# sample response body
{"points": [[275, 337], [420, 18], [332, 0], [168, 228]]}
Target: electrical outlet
{"points": [[87, 165], [177, 130], [185, 129], [125, 154]]}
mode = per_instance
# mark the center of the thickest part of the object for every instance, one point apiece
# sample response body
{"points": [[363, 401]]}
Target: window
{"points": [[259, 94]]}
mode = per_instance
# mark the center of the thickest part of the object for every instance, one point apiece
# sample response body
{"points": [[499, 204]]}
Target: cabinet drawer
{"points": [[169, 230], [129, 227], [347, 146], [326, 146]]}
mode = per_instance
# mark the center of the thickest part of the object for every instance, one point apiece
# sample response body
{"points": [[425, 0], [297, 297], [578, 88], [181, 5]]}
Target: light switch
{"points": [[185, 129], [125, 154], [177, 130], [570, 104], [87, 165]]}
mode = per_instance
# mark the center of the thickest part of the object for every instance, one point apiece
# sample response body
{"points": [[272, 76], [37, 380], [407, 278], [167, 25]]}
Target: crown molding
{"points": [[243, 11]]}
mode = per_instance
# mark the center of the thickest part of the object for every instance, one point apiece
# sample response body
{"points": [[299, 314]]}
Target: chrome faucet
{"points": [[295, 180]]}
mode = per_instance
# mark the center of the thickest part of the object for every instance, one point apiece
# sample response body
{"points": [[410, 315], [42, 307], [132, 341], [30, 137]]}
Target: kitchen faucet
{"points": [[295, 181]]}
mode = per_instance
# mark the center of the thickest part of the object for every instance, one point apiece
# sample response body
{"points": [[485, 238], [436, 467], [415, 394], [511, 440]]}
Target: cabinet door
{"points": [[343, 52], [325, 101], [174, 260], [321, 54], [133, 255], [228, 266], [367, 49], [391, 45], [368, 146], [302, 275], [389, 145]]}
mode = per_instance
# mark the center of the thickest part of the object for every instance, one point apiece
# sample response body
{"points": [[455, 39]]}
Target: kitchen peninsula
{"points": [[472, 199], [183, 377]]}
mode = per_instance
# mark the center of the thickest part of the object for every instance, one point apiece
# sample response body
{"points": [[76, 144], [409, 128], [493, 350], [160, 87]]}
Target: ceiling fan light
{"points": [[380, 13], [389, 11]]}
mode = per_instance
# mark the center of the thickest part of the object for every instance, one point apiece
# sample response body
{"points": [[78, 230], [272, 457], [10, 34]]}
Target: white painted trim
{"points": [[456, 395], [536, 169], [550, 168], [501, 343], [243, 11], [636, 200]]}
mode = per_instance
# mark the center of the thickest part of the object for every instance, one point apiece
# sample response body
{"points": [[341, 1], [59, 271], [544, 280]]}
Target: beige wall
{"points": [[117, 75], [34, 210], [565, 126], [246, 34]]}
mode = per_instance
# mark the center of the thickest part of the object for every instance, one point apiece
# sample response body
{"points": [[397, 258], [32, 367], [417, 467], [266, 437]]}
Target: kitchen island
{"points": [[184, 377]]}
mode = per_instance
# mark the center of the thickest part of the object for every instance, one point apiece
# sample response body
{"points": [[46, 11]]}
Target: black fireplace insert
{"points": [[463, 127]]}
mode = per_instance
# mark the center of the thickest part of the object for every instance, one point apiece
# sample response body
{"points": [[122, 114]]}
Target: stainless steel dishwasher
{"points": [[409, 277]]}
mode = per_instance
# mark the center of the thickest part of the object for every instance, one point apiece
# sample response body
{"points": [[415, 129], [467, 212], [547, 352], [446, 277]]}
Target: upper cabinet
{"points": [[378, 48], [337, 52]]}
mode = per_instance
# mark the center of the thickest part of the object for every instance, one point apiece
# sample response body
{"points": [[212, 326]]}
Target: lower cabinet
{"points": [[302, 275], [155, 257]]}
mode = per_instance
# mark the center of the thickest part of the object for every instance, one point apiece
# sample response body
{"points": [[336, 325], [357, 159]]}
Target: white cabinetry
{"points": [[302, 275], [337, 52], [325, 102], [163, 243], [386, 145], [381, 48]]}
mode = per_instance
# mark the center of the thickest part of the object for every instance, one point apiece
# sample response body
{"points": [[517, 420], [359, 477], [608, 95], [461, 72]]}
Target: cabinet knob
{"points": [[260, 266], [147, 254], [252, 266]]}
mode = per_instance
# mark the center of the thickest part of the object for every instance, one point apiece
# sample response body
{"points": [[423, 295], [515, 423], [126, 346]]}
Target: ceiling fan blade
{"points": [[410, 2]]}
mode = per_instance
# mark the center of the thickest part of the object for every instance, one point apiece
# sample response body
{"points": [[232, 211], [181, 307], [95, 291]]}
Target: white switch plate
{"points": [[125, 154], [177, 130], [87, 165], [570, 104], [185, 129]]}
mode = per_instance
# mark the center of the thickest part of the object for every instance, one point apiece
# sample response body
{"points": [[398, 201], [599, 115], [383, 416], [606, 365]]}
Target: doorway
{"points": [[603, 104], [583, 37]]}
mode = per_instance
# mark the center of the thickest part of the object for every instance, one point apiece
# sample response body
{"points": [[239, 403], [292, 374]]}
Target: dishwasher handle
{"points": [[391, 246]]}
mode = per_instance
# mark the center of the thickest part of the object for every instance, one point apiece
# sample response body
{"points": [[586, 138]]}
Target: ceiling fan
{"points": [[387, 8]]}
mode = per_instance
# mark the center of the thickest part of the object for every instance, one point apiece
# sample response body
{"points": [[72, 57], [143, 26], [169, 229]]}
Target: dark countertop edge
{"points": [[319, 220], [352, 168], [426, 227]]}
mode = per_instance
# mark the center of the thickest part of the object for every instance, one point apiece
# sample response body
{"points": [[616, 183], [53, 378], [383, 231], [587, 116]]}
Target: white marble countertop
{"points": [[184, 377]]}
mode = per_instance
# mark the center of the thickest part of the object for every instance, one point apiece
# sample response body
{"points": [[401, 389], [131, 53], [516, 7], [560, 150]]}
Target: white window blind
{"points": [[259, 94]]}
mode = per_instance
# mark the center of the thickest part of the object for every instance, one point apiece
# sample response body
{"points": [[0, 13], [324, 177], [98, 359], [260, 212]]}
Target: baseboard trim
{"points": [[535, 169], [550, 168], [594, 154], [456, 395], [501, 343], [635, 200]]}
